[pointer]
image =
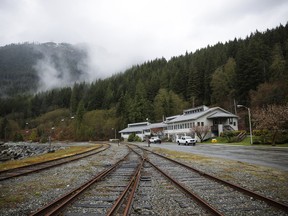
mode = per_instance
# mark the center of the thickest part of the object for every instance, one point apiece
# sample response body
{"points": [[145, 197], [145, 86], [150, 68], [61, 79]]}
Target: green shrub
{"points": [[228, 135], [134, 138], [44, 139], [231, 136], [18, 137], [260, 132], [33, 137], [282, 137], [137, 139], [131, 137]]}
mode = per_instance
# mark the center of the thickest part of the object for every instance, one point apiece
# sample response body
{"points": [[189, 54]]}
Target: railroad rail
{"points": [[110, 192], [215, 194], [36, 167]]}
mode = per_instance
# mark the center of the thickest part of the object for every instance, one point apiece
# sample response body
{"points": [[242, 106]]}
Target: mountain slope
{"points": [[28, 67]]}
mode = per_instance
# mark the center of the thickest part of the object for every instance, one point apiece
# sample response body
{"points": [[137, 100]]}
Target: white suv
{"points": [[155, 140]]}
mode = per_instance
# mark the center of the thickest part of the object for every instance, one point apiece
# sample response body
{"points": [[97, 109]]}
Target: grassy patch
{"points": [[11, 201], [46, 157], [245, 142], [181, 155]]}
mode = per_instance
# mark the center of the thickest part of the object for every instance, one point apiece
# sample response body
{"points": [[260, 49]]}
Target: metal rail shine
{"points": [[57, 206]]}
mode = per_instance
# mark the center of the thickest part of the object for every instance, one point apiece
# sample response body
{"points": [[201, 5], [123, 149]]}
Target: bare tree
{"points": [[273, 118], [200, 131]]}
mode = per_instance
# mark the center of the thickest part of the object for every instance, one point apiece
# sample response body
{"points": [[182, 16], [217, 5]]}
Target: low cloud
{"points": [[60, 65], [120, 34], [63, 65]]}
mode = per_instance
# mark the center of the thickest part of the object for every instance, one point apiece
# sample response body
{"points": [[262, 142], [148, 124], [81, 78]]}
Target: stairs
{"points": [[241, 136], [227, 128]]}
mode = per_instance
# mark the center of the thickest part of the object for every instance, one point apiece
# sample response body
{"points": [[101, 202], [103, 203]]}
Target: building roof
{"points": [[138, 124], [157, 125], [221, 115], [142, 127], [215, 112], [135, 129]]}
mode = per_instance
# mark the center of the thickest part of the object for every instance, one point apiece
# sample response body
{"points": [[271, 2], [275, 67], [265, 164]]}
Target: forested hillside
{"points": [[252, 71], [24, 67]]}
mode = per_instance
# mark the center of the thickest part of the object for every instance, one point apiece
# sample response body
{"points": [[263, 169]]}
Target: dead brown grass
{"points": [[72, 150]]}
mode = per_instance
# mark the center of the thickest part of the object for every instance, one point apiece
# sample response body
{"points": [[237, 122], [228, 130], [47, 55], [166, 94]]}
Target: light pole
{"points": [[250, 125]]}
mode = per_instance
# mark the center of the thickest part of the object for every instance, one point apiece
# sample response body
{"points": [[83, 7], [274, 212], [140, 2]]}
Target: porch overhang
{"points": [[218, 115]]}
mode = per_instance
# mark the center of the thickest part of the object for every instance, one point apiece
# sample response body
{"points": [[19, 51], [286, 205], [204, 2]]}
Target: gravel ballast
{"points": [[23, 195]]}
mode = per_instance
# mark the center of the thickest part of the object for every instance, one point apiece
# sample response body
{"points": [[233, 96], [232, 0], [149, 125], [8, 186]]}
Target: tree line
{"points": [[251, 71]]}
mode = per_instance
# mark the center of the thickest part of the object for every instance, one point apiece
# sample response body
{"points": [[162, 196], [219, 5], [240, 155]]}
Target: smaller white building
{"points": [[141, 129]]}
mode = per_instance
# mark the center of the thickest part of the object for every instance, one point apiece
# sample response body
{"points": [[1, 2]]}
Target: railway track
{"points": [[219, 197], [157, 196], [36, 167], [145, 183], [109, 193]]}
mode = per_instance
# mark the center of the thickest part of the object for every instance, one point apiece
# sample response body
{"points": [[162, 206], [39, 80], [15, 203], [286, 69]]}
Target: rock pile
{"points": [[14, 152]]}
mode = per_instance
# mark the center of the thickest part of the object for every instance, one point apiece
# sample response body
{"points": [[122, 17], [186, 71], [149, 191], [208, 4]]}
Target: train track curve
{"points": [[36, 167], [110, 192]]}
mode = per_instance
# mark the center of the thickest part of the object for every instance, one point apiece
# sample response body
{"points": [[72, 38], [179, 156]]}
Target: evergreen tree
{"points": [[193, 88], [277, 68], [222, 84], [80, 113]]}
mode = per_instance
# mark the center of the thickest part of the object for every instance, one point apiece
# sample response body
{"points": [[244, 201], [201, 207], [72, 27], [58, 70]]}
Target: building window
{"points": [[202, 124], [198, 123]]}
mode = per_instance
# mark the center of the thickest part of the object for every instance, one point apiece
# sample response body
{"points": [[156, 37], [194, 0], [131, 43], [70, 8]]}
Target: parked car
{"points": [[155, 140], [186, 140]]}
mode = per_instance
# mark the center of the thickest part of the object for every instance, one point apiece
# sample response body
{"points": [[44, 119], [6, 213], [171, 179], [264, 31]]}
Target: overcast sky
{"points": [[125, 32]]}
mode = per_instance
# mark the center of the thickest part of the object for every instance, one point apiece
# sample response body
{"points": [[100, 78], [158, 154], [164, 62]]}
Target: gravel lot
{"points": [[21, 196]]}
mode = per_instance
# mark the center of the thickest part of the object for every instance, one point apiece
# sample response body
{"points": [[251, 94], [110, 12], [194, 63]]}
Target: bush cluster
{"points": [[231, 136], [265, 137], [134, 138]]}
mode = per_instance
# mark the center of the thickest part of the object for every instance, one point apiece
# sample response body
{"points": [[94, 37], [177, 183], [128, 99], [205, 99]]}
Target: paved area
{"points": [[276, 157]]}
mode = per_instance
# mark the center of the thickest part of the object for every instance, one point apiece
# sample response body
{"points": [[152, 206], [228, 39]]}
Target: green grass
{"points": [[245, 142]]}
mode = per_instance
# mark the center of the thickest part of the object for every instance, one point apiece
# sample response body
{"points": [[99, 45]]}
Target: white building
{"points": [[216, 119], [141, 129]]}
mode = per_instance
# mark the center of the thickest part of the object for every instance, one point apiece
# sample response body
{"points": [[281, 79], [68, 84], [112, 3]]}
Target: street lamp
{"points": [[250, 126]]}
